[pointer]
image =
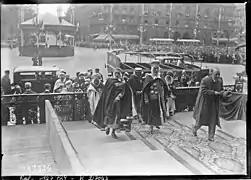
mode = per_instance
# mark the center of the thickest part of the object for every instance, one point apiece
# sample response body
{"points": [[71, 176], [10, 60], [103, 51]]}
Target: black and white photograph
{"points": [[123, 89]]}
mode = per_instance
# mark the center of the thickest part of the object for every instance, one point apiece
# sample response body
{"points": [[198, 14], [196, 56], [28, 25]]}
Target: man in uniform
{"points": [[154, 98], [5, 83], [206, 111], [136, 84], [115, 104], [94, 92]]}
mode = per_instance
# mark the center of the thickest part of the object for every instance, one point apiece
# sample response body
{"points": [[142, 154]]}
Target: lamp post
{"points": [[109, 29], [21, 21], [196, 31], [141, 29], [196, 22], [219, 31]]}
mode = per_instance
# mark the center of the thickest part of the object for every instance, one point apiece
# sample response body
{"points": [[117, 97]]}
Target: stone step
{"points": [[77, 125], [139, 163], [93, 137], [111, 149], [180, 155]]}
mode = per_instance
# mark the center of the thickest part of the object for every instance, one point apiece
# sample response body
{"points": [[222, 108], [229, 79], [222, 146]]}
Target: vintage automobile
{"points": [[37, 75], [128, 61]]}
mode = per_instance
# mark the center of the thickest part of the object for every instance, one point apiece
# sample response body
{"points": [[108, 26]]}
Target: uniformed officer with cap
{"points": [[5, 82]]}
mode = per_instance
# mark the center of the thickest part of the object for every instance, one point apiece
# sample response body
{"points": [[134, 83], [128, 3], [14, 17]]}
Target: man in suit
{"points": [[206, 111], [30, 109]]}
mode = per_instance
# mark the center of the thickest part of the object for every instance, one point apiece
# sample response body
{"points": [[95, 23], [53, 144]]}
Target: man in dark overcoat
{"points": [[115, 104], [136, 84], [206, 111]]}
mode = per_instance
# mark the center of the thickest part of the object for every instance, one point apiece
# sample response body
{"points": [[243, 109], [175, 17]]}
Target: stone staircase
{"points": [[26, 151], [102, 155]]}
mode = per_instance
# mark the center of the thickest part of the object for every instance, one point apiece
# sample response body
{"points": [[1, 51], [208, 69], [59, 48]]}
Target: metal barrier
{"points": [[186, 97], [30, 108]]}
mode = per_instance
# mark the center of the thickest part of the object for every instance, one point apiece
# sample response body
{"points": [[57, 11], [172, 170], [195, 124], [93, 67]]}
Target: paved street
{"points": [[88, 58], [84, 58]]}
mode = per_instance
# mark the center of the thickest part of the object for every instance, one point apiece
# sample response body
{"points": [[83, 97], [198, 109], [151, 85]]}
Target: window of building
{"points": [[167, 22], [132, 10], [146, 10], [187, 11], [146, 22], [132, 20], [156, 21], [122, 28], [207, 12], [177, 22]]}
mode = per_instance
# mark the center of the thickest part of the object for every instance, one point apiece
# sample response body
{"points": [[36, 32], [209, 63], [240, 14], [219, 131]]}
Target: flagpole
{"points": [[219, 27], [196, 20], [21, 21], [141, 27], [170, 20], [110, 41], [60, 39], [38, 27]]}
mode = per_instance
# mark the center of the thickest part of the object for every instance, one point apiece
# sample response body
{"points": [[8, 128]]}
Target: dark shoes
{"points": [[194, 132], [114, 135], [107, 131], [211, 139]]}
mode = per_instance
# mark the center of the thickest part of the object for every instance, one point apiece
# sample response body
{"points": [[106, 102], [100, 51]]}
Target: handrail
{"points": [[43, 94]]}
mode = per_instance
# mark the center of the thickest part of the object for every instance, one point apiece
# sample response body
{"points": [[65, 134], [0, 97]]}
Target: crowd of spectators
{"points": [[207, 53], [64, 84]]}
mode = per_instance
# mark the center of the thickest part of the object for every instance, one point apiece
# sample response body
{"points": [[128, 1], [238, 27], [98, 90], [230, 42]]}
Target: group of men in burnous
{"points": [[149, 99]]}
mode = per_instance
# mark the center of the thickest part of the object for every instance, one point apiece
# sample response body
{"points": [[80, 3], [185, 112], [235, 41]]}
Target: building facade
{"points": [[188, 21]]}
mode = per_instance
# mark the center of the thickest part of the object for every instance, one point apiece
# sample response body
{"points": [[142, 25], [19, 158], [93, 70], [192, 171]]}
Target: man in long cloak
{"points": [[206, 111], [115, 104], [154, 98], [94, 92], [136, 83], [171, 95]]}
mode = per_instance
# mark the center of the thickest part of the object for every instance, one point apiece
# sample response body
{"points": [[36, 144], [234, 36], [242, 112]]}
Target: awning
{"points": [[125, 37], [225, 39], [104, 37], [48, 19]]}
